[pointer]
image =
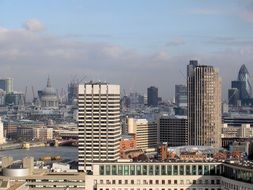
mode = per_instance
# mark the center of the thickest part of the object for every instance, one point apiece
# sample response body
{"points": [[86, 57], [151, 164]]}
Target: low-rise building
{"points": [[145, 133], [169, 176]]}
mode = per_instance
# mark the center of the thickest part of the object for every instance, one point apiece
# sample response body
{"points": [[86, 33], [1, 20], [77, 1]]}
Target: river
{"points": [[66, 152]]}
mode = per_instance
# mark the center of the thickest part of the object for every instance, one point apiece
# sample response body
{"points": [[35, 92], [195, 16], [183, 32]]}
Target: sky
{"points": [[136, 44]]}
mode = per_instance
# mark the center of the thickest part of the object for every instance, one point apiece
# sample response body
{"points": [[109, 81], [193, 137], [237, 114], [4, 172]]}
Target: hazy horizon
{"points": [[135, 44]]}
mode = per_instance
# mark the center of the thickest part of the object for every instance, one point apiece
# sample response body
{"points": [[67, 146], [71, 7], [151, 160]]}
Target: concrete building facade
{"points": [[169, 176], [204, 105], [98, 123], [145, 133]]}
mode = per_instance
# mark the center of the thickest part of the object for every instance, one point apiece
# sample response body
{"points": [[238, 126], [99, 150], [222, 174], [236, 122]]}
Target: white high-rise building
{"points": [[98, 123], [2, 139]]}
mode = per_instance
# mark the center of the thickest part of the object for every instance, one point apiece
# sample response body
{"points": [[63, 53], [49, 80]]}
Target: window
{"points": [[163, 167], [169, 181], [169, 170], [181, 170], [138, 170], [200, 170], [157, 170], [188, 170], [126, 170], [114, 170], [206, 170], [156, 181], [175, 181], [194, 170], [132, 170], [108, 168], [101, 170], [132, 181], [175, 170], [120, 170], [151, 170], [144, 170]]}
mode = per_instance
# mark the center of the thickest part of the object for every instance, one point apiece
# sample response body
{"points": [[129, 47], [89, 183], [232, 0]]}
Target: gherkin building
{"points": [[244, 76]]}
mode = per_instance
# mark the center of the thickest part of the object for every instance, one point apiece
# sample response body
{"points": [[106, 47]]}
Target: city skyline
{"points": [[135, 44]]}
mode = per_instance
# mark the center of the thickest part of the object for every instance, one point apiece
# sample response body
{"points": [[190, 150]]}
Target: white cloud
{"points": [[30, 57], [33, 25]]}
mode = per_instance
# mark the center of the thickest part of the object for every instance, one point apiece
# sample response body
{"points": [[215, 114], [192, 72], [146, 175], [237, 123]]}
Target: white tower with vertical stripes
{"points": [[98, 123]]}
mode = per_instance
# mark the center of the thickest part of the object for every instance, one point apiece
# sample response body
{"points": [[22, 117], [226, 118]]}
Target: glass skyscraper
{"points": [[243, 75]]}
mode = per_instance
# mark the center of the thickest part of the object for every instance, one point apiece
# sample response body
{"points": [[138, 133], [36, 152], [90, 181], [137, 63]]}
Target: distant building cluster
{"points": [[134, 141]]}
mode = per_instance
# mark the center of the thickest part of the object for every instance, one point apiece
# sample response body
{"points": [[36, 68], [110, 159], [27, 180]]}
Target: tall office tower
{"points": [[98, 123], [181, 95], [7, 85], [243, 75], [233, 96], [173, 131], [204, 105], [72, 92], [152, 96], [244, 87]]}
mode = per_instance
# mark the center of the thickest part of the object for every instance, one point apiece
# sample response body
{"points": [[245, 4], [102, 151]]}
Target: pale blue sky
{"points": [[202, 29]]}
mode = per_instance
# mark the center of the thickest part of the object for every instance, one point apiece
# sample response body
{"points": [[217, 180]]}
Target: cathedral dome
{"points": [[49, 90], [49, 96]]}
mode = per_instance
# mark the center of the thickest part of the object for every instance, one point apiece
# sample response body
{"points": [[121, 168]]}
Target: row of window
{"points": [[208, 169], [234, 186], [158, 182], [158, 189]]}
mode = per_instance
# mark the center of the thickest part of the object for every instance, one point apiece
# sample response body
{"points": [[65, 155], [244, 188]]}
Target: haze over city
{"points": [[132, 43]]}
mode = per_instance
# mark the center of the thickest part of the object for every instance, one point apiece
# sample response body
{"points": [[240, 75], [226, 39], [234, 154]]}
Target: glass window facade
{"points": [[167, 169]]}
